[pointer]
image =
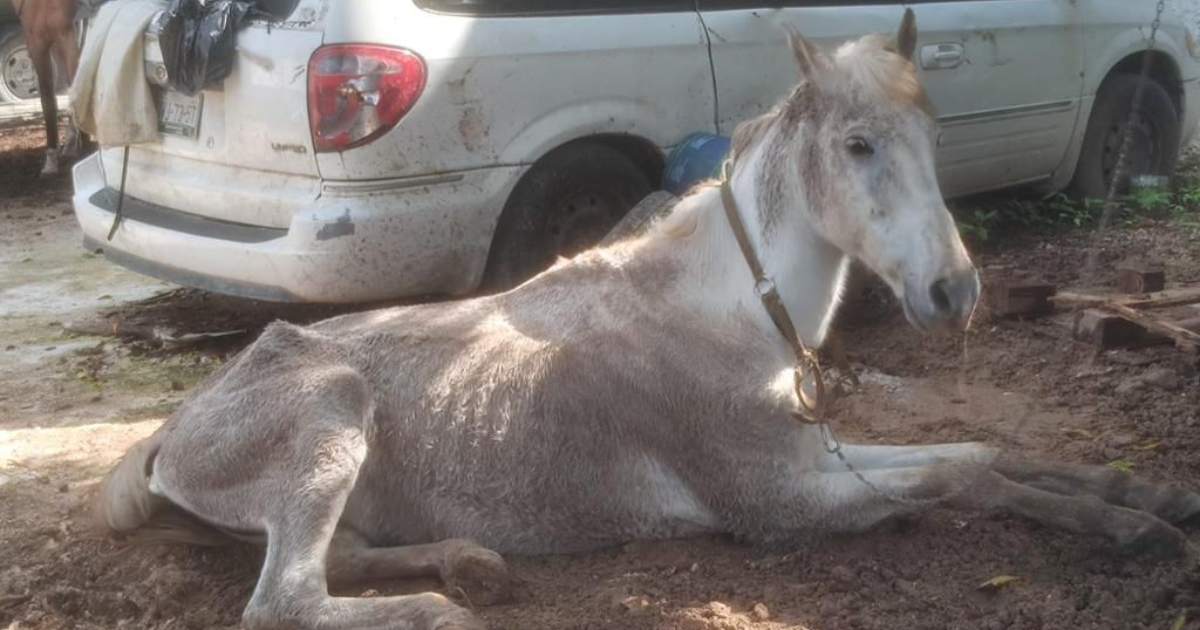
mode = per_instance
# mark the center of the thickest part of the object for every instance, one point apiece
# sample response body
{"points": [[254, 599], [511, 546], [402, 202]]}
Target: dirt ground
{"points": [[73, 397]]}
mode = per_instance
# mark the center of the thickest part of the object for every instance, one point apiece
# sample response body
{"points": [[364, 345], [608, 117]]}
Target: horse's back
{"points": [[526, 428]]}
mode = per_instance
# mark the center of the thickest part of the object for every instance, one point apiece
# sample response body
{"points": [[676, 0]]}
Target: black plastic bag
{"points": [[199, 41]]}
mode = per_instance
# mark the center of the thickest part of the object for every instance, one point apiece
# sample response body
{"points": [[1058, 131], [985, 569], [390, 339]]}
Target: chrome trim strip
{"points": [[384, 185], [1005, 112]]}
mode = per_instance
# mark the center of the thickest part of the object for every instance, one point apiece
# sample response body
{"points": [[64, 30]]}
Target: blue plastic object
{"points": [[697, 158]]}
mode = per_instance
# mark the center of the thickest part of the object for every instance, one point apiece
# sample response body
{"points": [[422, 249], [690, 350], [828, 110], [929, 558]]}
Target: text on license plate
{"points": [[179, 114]]}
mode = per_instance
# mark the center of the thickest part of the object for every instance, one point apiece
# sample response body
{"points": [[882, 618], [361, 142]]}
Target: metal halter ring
{"points": [[812, 408]]}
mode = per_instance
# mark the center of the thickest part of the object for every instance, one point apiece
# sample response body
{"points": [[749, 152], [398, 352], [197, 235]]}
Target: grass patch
{"points": [[989, 219]]}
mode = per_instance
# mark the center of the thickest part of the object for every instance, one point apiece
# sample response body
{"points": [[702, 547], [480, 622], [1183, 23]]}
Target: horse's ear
{"points": [[906, 37], [808, 57]]}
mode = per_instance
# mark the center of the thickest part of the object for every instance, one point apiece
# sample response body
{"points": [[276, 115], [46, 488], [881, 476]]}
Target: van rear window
{"points": [[500, 8], [277, 9]]}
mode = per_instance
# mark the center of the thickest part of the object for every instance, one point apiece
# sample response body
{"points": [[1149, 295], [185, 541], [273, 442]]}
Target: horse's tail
{"points": [[124, 504]]}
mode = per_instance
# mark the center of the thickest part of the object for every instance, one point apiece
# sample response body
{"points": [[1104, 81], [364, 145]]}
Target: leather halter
{"points": [[812, 408]]}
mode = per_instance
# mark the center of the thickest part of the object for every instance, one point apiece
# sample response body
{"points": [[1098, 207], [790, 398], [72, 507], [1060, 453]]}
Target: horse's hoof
{"points": [[1159, 539], [50, 166], [1185, 512], [459, 620], [481, 574]]}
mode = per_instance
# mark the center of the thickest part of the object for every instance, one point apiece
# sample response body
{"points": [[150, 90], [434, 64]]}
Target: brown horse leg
{"points": [[39, 52], [66, 52]]}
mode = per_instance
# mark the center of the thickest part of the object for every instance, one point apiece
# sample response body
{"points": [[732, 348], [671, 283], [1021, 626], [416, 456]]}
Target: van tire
{"points": [[563, 205], [1155, 145], [11, 42]]}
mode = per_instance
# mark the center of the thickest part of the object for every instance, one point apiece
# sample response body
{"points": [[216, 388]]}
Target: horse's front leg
{"points": [[779, 504], [1082, 513], [1169, 503], [878, 456], [1126, 511]]}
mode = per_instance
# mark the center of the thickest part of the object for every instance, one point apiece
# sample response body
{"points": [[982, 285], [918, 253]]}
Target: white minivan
{"points": [[364, 150]]}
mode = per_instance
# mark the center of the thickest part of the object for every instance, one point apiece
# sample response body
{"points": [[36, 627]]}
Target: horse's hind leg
{"points": [[479, 573], [287, 467], [292, 590]]}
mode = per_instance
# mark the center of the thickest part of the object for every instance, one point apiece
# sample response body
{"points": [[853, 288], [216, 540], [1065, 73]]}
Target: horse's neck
{"points": [[807, 271]]}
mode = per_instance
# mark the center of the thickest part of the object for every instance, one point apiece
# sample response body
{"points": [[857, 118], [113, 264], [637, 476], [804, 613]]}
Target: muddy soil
{"points": [[73, 397]]}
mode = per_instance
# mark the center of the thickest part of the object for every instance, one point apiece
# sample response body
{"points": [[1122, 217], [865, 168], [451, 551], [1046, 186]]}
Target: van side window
{"points": [[717, 5], [500, 8]]}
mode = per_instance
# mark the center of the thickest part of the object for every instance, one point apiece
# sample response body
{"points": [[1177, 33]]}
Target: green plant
{"points": [[1068, 212], [976, 223], [991, 217], [986, 219], [1190, 196], [1151, 199]]}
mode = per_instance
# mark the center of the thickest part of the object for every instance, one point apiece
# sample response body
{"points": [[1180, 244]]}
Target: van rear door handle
{"points": [[941, 56]]}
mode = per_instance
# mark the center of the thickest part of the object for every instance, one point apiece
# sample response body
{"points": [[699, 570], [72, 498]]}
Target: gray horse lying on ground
{"points": [[639, 391]]}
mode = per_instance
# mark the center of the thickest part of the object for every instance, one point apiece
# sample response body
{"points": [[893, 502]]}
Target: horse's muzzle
{"points": [[945, 303]]}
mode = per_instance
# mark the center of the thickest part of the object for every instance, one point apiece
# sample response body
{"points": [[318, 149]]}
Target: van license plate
{"points": [[179, 114]]}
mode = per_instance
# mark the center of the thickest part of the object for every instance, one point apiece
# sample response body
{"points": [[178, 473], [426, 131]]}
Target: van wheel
{"points": [[18, 81], [1154, 144], [566, 203]]}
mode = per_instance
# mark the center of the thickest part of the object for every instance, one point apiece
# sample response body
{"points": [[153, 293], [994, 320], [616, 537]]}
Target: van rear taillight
{"points": [[357, 92]]}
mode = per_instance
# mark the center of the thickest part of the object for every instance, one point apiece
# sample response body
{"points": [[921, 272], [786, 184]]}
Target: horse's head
{"points": [[860, 135]]}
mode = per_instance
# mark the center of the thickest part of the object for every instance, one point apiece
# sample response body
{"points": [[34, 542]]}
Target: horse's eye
{"points": [[858, 147]]}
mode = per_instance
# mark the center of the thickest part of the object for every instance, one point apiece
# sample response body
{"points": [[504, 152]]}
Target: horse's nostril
{"points": [[940, 295]]}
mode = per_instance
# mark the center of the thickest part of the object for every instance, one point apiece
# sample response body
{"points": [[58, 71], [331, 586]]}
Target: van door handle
{"points": [[941, 56]]}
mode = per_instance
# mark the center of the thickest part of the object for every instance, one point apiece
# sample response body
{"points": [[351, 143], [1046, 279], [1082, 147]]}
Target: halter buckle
{"points": [[765, 287]]}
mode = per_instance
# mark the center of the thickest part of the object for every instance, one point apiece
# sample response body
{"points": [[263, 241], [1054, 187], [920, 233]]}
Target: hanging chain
{"points": [[1119, 168], [832, 445]]}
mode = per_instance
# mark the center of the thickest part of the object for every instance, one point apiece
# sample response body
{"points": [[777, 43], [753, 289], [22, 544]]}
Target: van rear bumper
{"points": [[357, 242]]}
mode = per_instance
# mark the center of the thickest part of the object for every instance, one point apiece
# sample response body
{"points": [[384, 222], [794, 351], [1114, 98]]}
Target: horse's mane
{"points": [[873, 62], [870, 62]]}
